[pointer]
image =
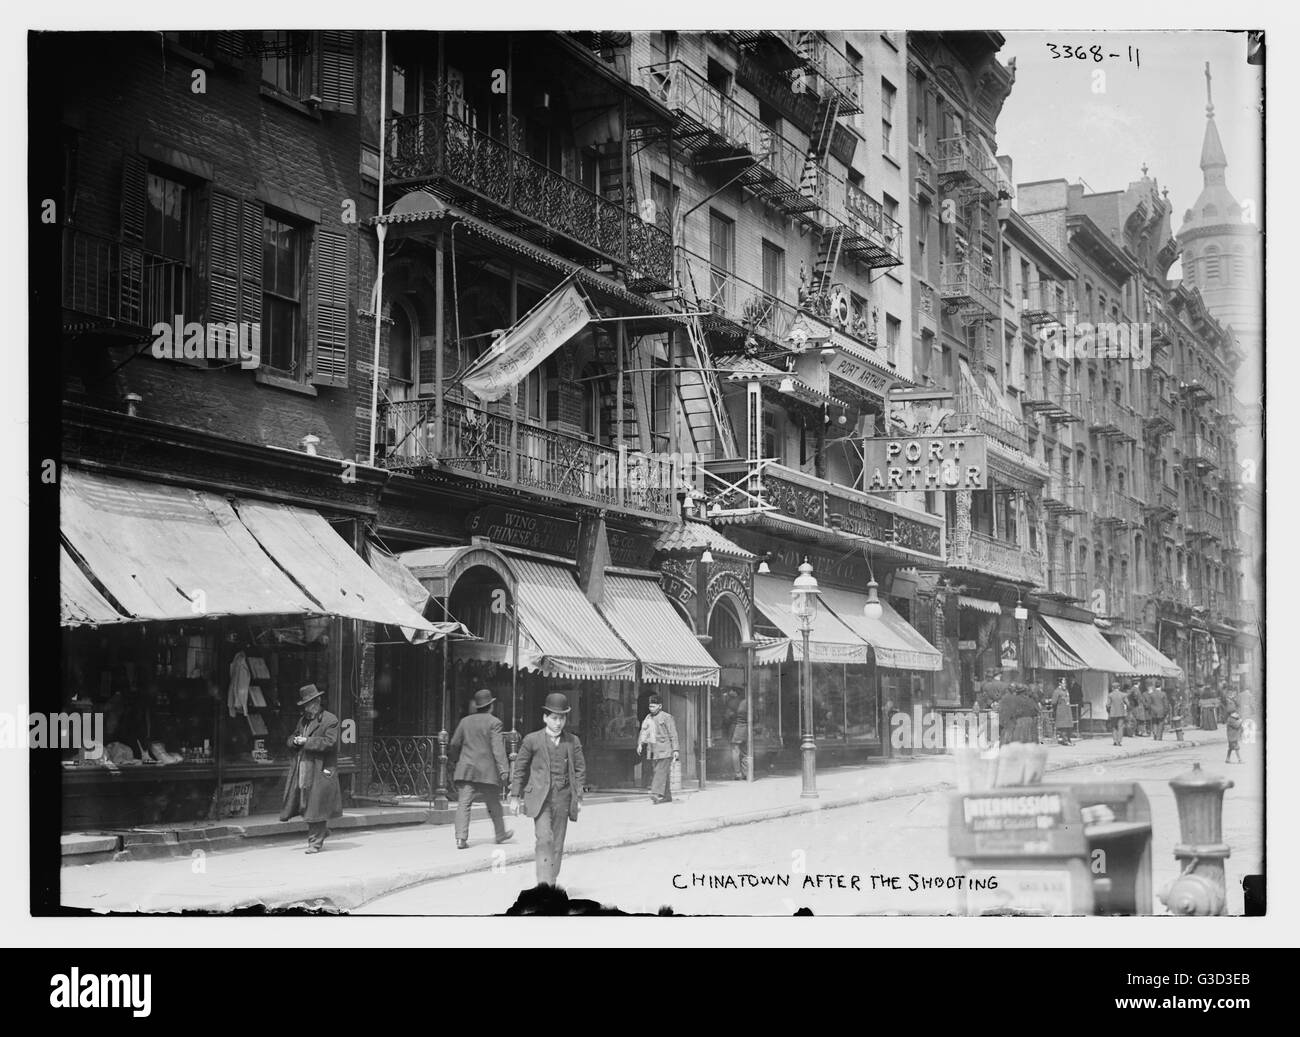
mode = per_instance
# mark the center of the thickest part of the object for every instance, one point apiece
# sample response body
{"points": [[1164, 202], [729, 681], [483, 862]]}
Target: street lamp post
{"points": [[804, 607]]}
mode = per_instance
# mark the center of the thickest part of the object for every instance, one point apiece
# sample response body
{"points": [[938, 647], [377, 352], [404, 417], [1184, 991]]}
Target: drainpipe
{"points": [[381, 231]]}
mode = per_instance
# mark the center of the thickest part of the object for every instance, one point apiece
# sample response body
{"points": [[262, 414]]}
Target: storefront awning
{"points": [[771, 651], [1145, 658], [830, 642], [321, 562], [172, 553], [1051, 656], [979, 605], [80, 603], [1086, 641], [572, 639], [898, 646], [659, 638]]}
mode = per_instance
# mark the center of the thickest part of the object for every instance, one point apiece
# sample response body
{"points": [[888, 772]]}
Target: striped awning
{"points": [[897, 645], [80, 603], [1051, 656], [570, 638], [1085, 641], [1146, 659], [771, 651], [648, 624], [830, 640], [979, 605]]}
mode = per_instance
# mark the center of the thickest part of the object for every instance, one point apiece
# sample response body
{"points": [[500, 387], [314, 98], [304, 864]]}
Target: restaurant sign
{"points": [[509, 527], [935, 462]]}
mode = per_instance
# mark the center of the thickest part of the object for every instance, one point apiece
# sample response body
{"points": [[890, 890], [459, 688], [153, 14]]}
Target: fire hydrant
{"points": [[1201, 888]]}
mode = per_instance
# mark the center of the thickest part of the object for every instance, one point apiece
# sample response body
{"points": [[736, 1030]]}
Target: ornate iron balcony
{"points": [[966, 282], [524, 195], [119, 284], [1010, 561], [962, 161], [735, 306]]}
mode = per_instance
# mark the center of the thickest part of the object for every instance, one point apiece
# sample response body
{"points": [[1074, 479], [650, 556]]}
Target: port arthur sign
{"points": [[931, 462]]}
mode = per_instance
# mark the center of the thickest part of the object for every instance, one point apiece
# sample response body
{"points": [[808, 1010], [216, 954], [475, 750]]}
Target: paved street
{"points": [[904, 837]]}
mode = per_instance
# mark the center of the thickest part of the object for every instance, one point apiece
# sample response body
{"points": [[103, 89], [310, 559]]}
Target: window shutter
{"points": [[130, 285], [223, 257], [230, 47], [251, 234], [332, 269], [338, 72]]}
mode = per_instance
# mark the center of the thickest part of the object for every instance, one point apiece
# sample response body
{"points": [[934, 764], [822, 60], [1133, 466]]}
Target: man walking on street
{"points": [[550, 761], [311, 788], [478, 751], [659, 739], [740, 740], [1116, 709], [1158, 708]]}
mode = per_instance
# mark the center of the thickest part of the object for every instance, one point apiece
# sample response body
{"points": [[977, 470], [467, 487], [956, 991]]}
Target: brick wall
{"points": [[123, 89]]}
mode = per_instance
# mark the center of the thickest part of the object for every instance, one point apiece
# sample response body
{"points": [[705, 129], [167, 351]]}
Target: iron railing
{"points": [[967, 281], [123, 284], [1009, 561], [867, 219], [495, 447], [734, 305], [1042, 303], [437, 145], [1200, 450], [832, 68], [974, 413], [1068, 583], [404, 766], [961, 158]]}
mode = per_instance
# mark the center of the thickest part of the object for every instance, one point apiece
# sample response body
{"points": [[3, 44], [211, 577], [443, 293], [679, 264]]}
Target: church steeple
{"points": [[1213, 160]]}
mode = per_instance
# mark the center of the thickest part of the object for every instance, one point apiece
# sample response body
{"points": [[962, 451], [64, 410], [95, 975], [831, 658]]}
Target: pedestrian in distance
{"points": [[311, 788], [1137, 711], [1117, 711], [478, 752], [1234, 736], [1158, 709], [1064, 715], [740, 761], [658, 739], [549, 773]]}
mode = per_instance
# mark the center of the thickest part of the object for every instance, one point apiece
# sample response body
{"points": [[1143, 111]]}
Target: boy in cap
{"points": [[1234, 736], [550, 761], [478, 750], [311, 787], [659, 739]]}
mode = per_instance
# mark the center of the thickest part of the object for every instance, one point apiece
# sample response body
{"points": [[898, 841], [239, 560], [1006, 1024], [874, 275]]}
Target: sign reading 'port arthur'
{"points": [[938, 462]]}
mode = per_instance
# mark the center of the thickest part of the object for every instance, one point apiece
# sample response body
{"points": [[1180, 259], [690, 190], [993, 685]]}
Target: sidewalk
{"points": [[359, 865]]}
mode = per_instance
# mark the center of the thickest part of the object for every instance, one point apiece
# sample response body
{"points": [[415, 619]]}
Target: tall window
{"points": [[281, 295], [722, 257], [888, 96], [661, 404], [166, 236], [893, 331], [773, 269], [664, 196], [855, 63], [286, 61], [771, 438]]}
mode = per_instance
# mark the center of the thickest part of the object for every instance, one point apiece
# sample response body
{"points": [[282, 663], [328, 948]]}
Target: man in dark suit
{"points": [[478, 751], [550, 761], [311, 787]]}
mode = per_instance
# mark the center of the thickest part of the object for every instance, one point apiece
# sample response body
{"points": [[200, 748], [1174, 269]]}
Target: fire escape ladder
{"points": [[698, 388]]}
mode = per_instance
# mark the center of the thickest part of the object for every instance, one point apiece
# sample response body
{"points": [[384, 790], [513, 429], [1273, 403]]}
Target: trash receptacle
{"points": [[1209, 712]]}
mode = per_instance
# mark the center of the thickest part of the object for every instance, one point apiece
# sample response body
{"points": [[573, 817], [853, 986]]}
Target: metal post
{"points": [[438, 345], [514, 389], [440, 799], [749, 709], [381, 232], [807, 747], [514, 691]]}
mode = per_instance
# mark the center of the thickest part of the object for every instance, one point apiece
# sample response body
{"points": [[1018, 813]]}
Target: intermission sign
{"points": [[937, 462]]}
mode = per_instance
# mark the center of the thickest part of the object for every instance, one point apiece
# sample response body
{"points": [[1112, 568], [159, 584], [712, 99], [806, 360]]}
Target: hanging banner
{"points": [[516, 353]]}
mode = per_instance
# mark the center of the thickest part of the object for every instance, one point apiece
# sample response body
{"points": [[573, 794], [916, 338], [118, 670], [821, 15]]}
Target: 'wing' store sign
{"points": [[939, 462]]}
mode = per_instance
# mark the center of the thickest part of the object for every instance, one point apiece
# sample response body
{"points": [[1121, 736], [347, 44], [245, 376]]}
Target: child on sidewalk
{"points": [[1234, 736]]}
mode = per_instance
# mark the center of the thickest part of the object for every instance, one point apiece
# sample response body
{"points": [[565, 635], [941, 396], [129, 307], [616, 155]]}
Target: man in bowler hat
{"points": [[311, 787], [478, 751], [549, 772]]}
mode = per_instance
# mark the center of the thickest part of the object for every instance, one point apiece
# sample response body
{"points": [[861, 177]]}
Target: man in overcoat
{"points": [[478, 751], [1062, 713], [1157, 709], [659, 740], [549, 773], [311, 787]]}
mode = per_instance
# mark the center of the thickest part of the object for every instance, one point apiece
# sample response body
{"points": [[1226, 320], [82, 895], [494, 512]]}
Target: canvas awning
{"points": [[570, 637], [172, 553], [648, 624], [898, 646], [1086, 641], [771, 651], [1051, 656], [80, 603], [830, 641], [175, 553], [320, 561], [979, 605], [1146, 659]]}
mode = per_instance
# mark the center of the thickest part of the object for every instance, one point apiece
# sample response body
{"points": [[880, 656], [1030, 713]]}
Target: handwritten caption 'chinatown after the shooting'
{"points": [[911, 883]]}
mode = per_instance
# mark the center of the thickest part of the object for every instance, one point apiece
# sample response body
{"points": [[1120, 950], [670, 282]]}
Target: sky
{"points": [[1054, 124]]}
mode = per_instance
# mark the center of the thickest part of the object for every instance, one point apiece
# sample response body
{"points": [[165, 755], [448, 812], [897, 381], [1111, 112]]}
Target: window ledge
{"points": [[891, 160], [281, 381], [199, 60], [289, 101]]}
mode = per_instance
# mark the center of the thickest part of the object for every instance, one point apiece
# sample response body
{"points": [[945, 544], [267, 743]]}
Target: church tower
{"points": [[1221, 252]]}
